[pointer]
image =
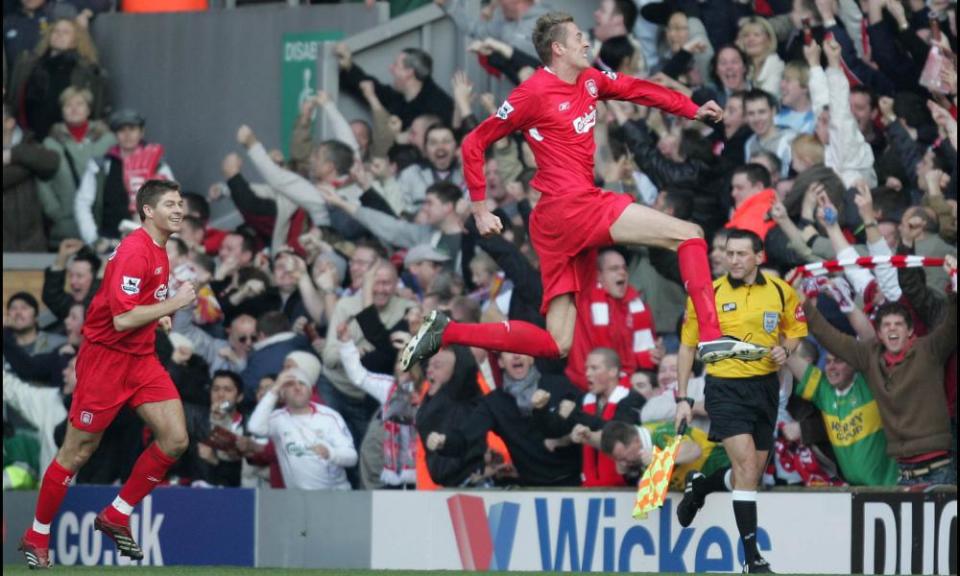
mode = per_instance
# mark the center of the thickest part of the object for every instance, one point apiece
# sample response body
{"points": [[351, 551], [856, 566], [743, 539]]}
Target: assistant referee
{"points": [[742, 398]]}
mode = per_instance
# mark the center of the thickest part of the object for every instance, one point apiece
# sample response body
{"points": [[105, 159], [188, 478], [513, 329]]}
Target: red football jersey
{"points": [[137, 274], [557, 119]]}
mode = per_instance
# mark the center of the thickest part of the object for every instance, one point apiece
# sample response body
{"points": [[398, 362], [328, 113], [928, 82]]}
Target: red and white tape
{"points": [[897, 261]]}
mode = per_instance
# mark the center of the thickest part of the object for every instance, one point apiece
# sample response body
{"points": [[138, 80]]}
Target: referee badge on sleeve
{"points": [[770, 321]]}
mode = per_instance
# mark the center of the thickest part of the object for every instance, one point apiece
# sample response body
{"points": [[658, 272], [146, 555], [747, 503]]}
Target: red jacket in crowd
{"points": [[624, 325]]}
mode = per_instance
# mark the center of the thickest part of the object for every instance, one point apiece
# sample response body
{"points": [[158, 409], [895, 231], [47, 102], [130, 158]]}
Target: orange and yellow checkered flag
{"points": [[652, 488]]}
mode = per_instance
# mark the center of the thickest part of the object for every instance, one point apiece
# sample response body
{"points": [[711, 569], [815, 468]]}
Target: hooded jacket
{"points": [[443, 411]]}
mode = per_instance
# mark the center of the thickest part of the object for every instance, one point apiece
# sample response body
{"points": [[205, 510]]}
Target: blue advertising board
{"points": [[173, 526]]}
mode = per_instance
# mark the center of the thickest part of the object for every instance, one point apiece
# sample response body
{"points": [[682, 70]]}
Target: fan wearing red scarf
{"points": [[109, 185], [604, 401], [905, 374]]}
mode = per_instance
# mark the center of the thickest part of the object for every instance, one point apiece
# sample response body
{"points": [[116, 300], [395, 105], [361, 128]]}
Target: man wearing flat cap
{"points": [[107, 193], [425, 263]]}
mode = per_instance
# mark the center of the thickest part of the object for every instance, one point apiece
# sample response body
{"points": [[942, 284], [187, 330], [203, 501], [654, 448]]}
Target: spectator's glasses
{"points": [[247, 339]]}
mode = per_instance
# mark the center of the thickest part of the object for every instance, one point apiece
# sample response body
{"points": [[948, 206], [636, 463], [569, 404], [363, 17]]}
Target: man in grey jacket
{"points": [[330, 164], [442, 228], [440, 165], [512, 24]]}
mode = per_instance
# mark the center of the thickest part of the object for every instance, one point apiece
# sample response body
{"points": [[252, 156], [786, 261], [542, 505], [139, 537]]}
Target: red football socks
{"points": [[53, 488], [695, 271], [150, 469], [513, 336]]}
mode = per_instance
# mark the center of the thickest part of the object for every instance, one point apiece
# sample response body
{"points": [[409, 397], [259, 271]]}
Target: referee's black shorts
{"points": [[743, 406]]}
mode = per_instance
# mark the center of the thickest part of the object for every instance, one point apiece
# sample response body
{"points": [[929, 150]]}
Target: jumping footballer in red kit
{"points": [[556, 109], [117, 366]]}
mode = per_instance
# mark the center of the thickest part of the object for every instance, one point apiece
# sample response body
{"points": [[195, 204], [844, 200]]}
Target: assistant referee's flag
{"points": [[652, 488]]}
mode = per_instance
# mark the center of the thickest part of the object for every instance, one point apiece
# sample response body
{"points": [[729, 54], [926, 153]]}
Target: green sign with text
{"points": [[299, 76]]}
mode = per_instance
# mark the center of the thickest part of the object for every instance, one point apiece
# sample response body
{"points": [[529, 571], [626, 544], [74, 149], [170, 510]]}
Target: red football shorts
{"points": [[108, 380], [565, 230]]}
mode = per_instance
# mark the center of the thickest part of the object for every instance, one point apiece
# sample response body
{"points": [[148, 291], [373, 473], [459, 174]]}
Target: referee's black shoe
{"points": [[727, 347], [427, 340], [691, 503], [758, 566]]}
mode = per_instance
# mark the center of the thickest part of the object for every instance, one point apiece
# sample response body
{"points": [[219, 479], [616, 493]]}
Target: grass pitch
{"points": [[234, 571]]}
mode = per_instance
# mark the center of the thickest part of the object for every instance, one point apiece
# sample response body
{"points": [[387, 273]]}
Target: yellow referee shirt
{"points": [[760, 313]]}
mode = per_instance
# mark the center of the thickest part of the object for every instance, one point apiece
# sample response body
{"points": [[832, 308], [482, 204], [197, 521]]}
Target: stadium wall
{"points": [[584, 531], [196, 77]]}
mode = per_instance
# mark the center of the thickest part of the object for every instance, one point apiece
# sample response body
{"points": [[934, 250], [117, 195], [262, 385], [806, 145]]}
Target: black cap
{"points": [[660, 12], [27, 298], [126, 117]]}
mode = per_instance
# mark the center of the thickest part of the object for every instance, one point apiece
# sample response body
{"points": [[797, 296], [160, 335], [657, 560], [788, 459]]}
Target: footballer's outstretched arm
{"points": [[623, 87]]}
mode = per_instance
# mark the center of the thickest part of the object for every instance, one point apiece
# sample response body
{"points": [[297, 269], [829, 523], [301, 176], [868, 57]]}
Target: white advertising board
{"points": [[594, 532]]}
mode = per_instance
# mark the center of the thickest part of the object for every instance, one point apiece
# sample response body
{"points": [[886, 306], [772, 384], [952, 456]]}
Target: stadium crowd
{"points": [[838, 141]]}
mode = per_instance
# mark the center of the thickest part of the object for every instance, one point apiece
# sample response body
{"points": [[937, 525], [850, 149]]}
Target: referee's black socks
{"points": [[719, 481], [745, 511]]}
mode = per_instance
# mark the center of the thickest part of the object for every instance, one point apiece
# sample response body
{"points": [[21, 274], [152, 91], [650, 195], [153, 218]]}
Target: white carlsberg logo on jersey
{"points": [[505, 110], [592, 87], [130, 285], [583, 124], [161, 293]]}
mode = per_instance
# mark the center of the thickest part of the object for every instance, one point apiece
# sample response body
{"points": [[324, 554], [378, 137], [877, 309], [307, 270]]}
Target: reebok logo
{"points": [[484, 540]]}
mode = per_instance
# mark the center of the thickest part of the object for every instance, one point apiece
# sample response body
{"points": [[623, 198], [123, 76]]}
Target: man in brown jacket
{"points": [[905, 374], [24, 160]]}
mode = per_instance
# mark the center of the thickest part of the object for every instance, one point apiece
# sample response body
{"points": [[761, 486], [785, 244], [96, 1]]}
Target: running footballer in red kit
{"points": [[117, 366], [556, 109]]}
